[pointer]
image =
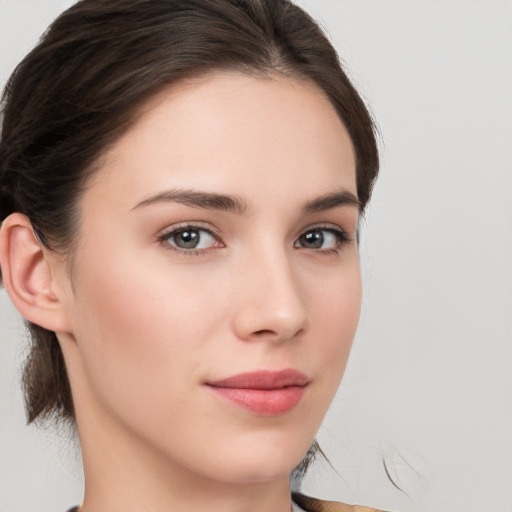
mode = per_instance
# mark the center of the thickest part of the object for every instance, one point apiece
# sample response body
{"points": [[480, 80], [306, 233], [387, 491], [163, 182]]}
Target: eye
{"points": [[323, 239], [190, 238]]}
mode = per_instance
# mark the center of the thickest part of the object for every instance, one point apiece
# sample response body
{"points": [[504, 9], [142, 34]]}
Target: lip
{"points": [[262, 392]]}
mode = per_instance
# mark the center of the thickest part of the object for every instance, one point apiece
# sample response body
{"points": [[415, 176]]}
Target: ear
{"points": [[29, 275]]}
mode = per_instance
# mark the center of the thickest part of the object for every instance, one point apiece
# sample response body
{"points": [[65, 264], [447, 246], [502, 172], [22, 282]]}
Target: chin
{"points": [[252, 473], [259, 462]]}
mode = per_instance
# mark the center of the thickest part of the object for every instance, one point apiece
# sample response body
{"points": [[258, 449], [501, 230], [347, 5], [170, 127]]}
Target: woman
{"points": [[181, 184]]}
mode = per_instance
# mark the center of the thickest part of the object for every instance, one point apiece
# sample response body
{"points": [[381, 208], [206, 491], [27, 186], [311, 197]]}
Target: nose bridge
{"points": [[271, 304]]}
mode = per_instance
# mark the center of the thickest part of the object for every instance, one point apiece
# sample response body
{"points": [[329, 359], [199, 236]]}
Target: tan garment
{"points": [[315, 505]]}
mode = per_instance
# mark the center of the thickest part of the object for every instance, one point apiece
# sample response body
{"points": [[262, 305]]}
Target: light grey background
{"points": [[428, 390]]}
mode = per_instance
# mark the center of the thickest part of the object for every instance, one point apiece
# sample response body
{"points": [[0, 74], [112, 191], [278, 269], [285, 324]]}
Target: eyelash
{"points": [[164, 237], [342, 238]]}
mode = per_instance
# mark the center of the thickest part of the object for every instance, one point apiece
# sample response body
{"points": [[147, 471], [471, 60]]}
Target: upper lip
{"points": [[263, 379]]}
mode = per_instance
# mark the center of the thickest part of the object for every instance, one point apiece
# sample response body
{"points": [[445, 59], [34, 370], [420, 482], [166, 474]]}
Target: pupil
{"points": [[187, 239], [313, 239]]}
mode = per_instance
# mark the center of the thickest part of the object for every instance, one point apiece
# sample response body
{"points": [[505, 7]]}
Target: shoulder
{"points": [[316, 505]]}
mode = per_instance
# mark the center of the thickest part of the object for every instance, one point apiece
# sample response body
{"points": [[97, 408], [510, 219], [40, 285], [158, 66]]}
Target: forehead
{"points": [[232, 133]]}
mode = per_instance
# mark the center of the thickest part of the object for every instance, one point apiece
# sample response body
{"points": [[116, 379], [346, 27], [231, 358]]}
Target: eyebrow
{"points": [[213, 201], [332, 200], [207, 200]]}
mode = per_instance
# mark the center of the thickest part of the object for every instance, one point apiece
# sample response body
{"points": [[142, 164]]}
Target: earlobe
{"points": [[27, 275]]}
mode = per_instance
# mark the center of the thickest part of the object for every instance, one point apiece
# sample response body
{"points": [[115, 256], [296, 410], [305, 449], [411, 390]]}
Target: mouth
{"points": [[264, 392]]}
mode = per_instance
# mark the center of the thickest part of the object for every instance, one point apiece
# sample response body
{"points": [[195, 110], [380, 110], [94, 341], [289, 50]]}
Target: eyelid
{"points": [[341, 234], [342, 238], [191, 224], [167, 232], [327, 226]]}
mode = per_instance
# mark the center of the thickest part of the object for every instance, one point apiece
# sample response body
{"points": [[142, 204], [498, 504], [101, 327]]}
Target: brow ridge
{"points": [[194, 198], [211, 200], [331, 200]]}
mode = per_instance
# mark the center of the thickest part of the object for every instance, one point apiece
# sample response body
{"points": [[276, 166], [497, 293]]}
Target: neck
{"points": [[123, 475]]}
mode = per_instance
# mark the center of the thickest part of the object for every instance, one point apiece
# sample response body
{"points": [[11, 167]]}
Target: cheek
{"points": [[141, 329], [335, 307]]}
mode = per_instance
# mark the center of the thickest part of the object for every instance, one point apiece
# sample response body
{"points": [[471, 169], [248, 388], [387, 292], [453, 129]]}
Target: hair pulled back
{"points": [[82, 86]]}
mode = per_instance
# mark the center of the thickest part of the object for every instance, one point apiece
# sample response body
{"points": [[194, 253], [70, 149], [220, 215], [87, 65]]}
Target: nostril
{"points": [[275, 336], [265, 332]]}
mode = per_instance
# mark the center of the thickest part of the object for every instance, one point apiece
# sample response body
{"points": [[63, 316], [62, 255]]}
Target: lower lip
{"points": [[265, 402]]}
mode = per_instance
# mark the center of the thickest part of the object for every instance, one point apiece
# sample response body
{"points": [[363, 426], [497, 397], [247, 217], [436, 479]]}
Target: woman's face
{"points": [[216, 283]]}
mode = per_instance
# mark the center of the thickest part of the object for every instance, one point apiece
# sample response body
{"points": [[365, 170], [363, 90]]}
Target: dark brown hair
{"points": [[82, 86]]}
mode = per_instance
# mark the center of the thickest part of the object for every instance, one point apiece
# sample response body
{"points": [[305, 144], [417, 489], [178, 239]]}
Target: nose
{"points": [[270, 305]]}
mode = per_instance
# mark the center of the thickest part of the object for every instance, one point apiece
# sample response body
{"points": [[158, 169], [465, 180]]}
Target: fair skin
{"points": [[147, 322]]}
